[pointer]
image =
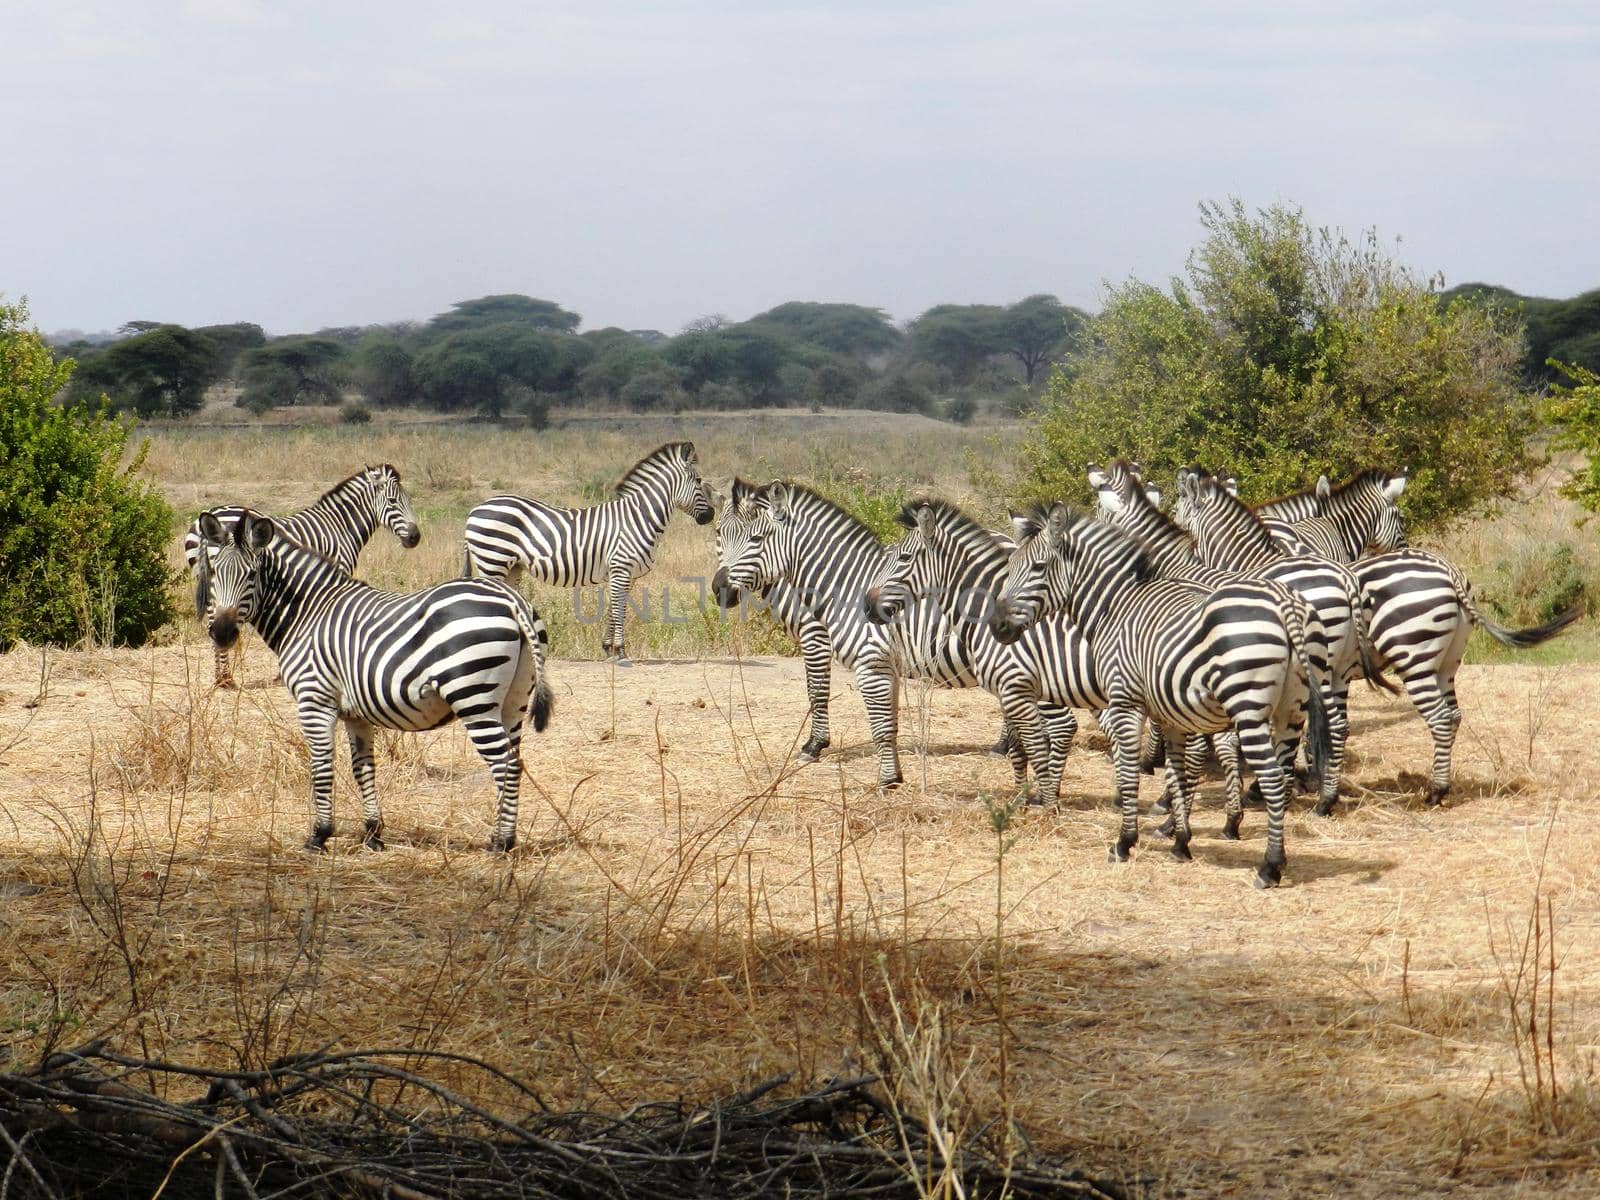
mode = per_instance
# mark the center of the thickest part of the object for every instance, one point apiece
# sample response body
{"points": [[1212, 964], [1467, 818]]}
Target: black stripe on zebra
{"points": [[467, 650], [338, 526], [1232, 658], [612, 543]]}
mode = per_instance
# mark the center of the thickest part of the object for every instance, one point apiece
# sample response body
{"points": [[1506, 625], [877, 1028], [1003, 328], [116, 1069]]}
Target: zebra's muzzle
{"points": [[225, 627], [1008, 624], [411, 537], [727, 595], [879, 609]]}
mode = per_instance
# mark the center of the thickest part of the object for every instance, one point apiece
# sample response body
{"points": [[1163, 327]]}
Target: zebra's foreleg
{"points": [[1063, 728], [359, 733], [816, 649], [1437, 706], [1122, 724], [316, 723], [1022, 715], [618, 581], [1184, 754], [1226, 745], [880, 692]]}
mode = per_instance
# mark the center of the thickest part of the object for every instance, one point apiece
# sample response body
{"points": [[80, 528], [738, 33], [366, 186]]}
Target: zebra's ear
{"points": [[211, 529], [1393, 489], [1230, 485], [1188, 484], [1153, 494], [1023, 525], [254, 532], [1098, 478], [1324, 488], [1058, 521], [778, 501], [925, 522]]}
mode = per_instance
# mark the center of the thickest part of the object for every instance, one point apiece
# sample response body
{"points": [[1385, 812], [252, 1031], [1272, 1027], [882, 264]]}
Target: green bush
{"points": [[960, 409], [82, 538], [354, 412], [1575, 413], [1283, 353], [1536, 583]]}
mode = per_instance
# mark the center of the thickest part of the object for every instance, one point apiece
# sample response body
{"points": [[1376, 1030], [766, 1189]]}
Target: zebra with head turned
{"points": [[829, 558], [1228, 536], [1419, 611], [471, 650], [1194, 663], [1342, 523], [338, 526], [612, 543], [783, 601], [949, 560]]}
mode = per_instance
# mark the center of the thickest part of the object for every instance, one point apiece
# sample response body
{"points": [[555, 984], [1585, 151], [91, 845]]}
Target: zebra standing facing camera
{"points": [[338, 526], [612, 543], [471, 650]]}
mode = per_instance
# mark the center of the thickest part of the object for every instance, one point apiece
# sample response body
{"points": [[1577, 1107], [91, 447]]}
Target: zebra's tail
{"points": [[1371, 665], [542, 701], [466, 561], [1520, 639], [1318, 740]]}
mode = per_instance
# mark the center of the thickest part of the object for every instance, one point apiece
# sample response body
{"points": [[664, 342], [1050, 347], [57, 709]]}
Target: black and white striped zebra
{"points": [[1229, 537], [612, 543], [338, 526], [1342, 523], [1231, 658], [950, 560], [471, 650], [830, 558], [1419, 611]]}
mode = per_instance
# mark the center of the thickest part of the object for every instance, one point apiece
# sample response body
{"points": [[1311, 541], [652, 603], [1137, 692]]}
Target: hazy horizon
{"points": [[226, 160]]}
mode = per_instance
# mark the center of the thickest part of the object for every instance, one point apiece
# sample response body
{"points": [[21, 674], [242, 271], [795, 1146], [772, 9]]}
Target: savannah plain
{"points": [[689, 912]]}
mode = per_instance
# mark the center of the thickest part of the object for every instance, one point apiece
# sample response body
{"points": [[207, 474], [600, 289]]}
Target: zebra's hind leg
{"points": [[359, 734], [495, 745], [316, 723], [617, 584], [1226, 745], [1184, 755], [1003, 744], [1022, 714], [1255, 740], [1338, 707]]}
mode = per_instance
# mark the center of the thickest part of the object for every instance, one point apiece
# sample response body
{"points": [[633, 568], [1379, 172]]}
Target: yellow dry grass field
{"points": [[688, 912]]}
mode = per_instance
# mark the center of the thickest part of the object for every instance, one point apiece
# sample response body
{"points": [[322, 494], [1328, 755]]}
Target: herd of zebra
{"points": [[1215, 628]]}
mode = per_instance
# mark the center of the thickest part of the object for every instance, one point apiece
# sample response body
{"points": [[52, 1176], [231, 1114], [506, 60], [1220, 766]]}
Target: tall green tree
{"points": [[511, 308], [1574, 411], [1036, 330], [1283, 352], [957, 337], [159, 372], [83, 537], [850, 329], [299, 369]]}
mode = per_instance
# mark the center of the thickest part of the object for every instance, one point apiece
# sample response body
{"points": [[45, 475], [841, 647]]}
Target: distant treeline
{"points": [[1566, 330], [517, 355]]}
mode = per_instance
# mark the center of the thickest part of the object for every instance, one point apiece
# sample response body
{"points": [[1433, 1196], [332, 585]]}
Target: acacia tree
{"points": [[1285, 352], [1035, 330]]}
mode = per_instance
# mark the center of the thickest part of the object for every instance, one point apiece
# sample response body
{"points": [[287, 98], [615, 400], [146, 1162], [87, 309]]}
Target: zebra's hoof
{"points": [[1181, 852], [889, 785], [1436, 794], [622, 660], [372, 839], [1162, 805], [373, 843], [812, 750], [1305, 781], [1167, 828], [1001, 749], [1230, 827], [1325, 808], [1119, 852], [317, 843], [502, 845], [226, 685], [1268, 875]]}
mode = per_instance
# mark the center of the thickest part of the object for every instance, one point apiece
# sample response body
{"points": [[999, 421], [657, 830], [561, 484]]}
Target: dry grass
{"points": [[688, 915]]}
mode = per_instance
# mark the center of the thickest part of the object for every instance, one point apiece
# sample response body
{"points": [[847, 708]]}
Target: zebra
{"points": [[1227, 535], [338, 526], [1194, 662], [950, 560], [1419, 611], [1342, 523], [785, 604], [829, 558], [612, 543], [471, 650]]}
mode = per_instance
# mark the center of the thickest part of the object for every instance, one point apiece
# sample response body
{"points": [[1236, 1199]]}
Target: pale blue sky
{"points": [[313, 164]]}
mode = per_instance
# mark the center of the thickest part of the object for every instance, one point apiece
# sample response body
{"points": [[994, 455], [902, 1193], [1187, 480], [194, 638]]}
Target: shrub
{"points": [[1283, 353], [896, 393], [1536, 583], [1575, 412], [960, 409], [82, 538], [354, 412]]}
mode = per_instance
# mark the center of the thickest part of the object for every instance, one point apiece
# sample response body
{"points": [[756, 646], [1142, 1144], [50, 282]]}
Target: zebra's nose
{"points": [[727, 595], [225, 627], [703, 517], [410, 536]]}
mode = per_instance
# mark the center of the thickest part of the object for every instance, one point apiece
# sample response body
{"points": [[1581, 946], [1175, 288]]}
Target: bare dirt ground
{"points": [[688, 913]]}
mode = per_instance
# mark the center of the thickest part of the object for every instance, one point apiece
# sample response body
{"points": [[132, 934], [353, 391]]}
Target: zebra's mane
{"points": [[1097, 542], [807, 497], [1139, 499], [351, 480], [1242, 514], [1376, 476], [976, 542], [630, 478]]}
